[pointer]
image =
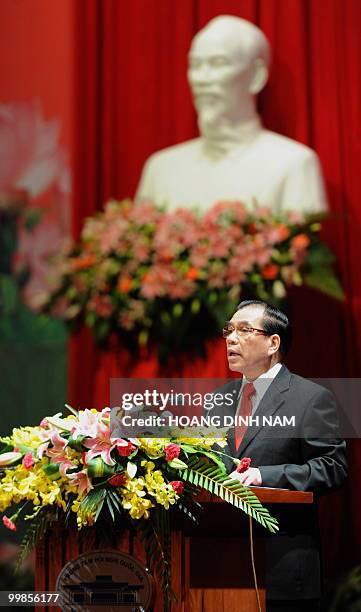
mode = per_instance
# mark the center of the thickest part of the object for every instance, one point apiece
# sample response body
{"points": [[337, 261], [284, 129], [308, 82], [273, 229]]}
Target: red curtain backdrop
{"points": [[35, 62], [132, 98]]}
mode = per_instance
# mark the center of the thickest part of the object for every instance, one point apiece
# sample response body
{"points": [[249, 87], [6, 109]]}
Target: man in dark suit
{"points": [[309, 457]]}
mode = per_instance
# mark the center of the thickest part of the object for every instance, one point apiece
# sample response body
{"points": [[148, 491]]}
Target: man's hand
{"points": [[252, 476]]}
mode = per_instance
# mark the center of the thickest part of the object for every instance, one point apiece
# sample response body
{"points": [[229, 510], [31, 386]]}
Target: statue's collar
{"points": [[229, 137]]}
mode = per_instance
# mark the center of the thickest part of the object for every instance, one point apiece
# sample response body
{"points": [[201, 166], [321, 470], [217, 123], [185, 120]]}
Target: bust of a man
{"points": [[234, 158]]}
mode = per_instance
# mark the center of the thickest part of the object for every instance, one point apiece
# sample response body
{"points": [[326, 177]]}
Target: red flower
{"points": [[125, 284], [117, 480], [283, 232], [125, 451], [192, 274], [178, 486], [28, 461], [244, 464], [252, 228], [9, 524], [300, 242], [172, 451], [270, 271], [83, 262]]}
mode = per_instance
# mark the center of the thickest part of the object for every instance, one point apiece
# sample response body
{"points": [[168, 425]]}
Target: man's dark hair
{"points": [[274, 322]]}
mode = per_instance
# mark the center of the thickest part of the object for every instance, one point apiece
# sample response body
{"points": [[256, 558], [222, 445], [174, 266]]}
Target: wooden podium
{"points": [[211, 562]]}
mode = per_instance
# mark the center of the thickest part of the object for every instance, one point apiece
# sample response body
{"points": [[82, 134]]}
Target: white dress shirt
{"points": [[261, 385]]}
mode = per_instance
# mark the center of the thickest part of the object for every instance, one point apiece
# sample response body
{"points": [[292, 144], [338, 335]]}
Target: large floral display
{"points": [[74, 467], [145, 274]]}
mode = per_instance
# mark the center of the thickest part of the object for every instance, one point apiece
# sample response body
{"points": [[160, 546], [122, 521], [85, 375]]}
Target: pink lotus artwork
{"points": [[34, 174], [30, 157]]}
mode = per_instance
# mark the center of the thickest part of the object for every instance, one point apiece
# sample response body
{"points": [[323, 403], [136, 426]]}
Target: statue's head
{"points": [[228, 65]]}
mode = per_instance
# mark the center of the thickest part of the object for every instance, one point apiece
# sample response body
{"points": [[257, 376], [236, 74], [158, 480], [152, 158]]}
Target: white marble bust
{"points": [[234, 158]]}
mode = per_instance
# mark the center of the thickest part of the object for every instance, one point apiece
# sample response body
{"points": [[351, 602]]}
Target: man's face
{"points": [[218, 75], [249, 353]]}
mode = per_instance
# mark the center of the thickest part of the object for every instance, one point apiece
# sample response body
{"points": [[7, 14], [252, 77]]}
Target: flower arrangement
{"points": [[173, 278], [73, 467]]}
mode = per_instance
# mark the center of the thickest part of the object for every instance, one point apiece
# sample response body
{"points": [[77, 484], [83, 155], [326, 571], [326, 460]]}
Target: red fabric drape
{"points": [[132, 98]]}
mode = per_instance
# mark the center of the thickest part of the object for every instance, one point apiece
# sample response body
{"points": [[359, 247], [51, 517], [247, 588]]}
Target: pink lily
{"points": [[57, 453], [88, 423], [45, 435], [100, 445], [82, 480], [65, 466]]}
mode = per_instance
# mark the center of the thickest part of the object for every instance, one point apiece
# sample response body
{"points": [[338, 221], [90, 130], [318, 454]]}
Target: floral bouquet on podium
{"points": [[73, 467]]}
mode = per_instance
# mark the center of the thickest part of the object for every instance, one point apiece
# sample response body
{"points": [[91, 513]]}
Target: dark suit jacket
{"points": [[309, 458]]}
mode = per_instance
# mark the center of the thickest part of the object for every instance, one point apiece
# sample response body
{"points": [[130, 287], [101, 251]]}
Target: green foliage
{"points": [[323, 280], [26, 328], [35, 532], [32, 218], [206, 476], [97, 467], [52, 470], [114, 505], [156, 537], [319, 273], [93, 503], [9, 294], [177, 464]]}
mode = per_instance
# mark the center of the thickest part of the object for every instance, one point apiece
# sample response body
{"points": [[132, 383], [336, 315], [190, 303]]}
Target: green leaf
{"points": [[97, 467], [32, 218], [143, 337], [165, 318], [324, 280], [189, 449], [99, 507], [212, 479], [110, 508], [102, 330], [76, 443], [52, 471], [90, 319], [178, 309], [72, 410], [93, 502], [281, 257], [195, 306], [35, 532], [156, 537], [212, 297], [115, 501], [216, 459], [177, 464], [9, 295], [315, 227], [319, 255]]}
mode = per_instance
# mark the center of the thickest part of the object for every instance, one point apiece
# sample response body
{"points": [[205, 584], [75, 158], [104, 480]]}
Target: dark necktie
{"points": [[245, 410]]}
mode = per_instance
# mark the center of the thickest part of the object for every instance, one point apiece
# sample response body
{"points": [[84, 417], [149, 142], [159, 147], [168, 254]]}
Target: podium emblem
{"points": [[101, 579]]}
